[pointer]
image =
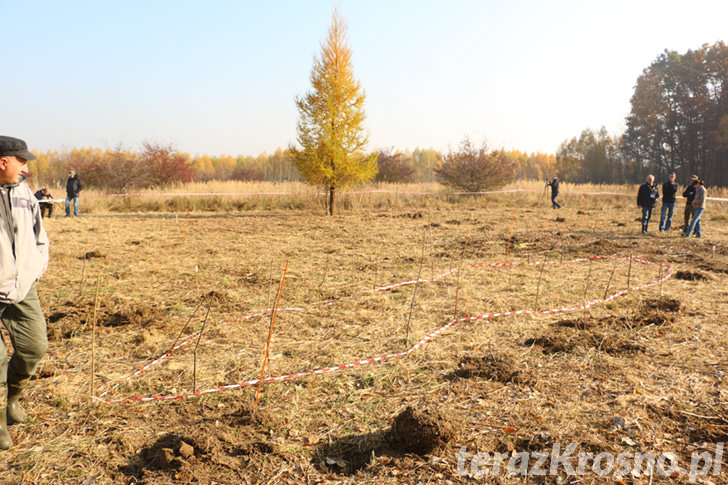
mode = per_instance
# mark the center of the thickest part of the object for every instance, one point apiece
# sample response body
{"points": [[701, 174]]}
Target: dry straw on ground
{"points": [[651, 363]]}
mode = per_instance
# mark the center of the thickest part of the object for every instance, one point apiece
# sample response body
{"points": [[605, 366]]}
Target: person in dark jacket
{"points": [[689, 194], [73, 188], [23, 259], [669, 196], [646, 198], [43, 195], [554, 184]]}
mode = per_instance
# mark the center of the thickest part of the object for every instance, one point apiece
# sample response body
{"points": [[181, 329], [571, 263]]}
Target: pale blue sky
{"points": [[220, 77]]}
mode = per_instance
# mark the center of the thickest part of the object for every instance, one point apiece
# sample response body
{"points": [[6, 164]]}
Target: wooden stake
{"points": [[538, 285], [610, 278], [629, 271], [457, 287], [270, 332], [414, 291], [659, 278], [270, 284], [432, 260], [326, 268], [93, 337], [199, 337], [510, 234], [376, 270], [83, 276], [588, 280], [187, 222], [394, 214], [185, 327]]}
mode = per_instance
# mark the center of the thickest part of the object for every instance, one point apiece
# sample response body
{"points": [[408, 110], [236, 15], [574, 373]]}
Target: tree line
{"points": [[118, 170], [678, 122]]}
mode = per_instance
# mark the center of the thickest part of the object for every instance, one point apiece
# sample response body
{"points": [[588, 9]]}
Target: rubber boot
{"points": [[5, 441], [15, 413]]}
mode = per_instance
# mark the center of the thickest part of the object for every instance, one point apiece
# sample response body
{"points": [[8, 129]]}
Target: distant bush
{"points": [[393, 168], [475, 169], [248, 174]]}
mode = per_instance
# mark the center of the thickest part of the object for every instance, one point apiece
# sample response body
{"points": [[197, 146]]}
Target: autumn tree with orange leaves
{"points": [[330, 127]]}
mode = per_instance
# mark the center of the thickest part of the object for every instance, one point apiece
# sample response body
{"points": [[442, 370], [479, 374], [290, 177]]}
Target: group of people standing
{"points": [[695, 196]]}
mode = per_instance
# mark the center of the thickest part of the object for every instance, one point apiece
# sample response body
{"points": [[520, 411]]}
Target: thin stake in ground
{"points": [[270, 284], [588, 280], [174, 344], [194, 354], [270, 333], [609, 281], [93, 336], [659, 278], [83, 275], [538, 285], [457, 284], [323, 277], [629, 271], [414, 291], [187, 222], [510, 234]]}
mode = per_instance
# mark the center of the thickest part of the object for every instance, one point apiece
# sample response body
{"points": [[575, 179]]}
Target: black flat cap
{"points": [[10, 146]]}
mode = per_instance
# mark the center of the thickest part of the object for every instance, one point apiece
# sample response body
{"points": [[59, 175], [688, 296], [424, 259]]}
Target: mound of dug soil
{"points": [[419, 431], [488, 366], [615, 344], [664, 304], [552, 343], [602, 246], [71, 319], [691, 276], [224, 443]]}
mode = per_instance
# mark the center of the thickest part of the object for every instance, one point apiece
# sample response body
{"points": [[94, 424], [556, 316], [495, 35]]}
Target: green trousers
{"points": [[26, 326], [688, 214]]}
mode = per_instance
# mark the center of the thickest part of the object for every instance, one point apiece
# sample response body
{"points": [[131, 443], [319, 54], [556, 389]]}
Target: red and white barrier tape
{"points": [[416, 346]]}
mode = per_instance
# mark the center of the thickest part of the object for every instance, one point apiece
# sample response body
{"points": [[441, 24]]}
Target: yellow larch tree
{"points": [[330, 127]]}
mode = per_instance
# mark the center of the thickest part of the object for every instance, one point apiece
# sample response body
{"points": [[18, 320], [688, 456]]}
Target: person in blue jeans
{"points": [[669, 196], [646, 198], [554, 184], [73, 188], [701, 194]]}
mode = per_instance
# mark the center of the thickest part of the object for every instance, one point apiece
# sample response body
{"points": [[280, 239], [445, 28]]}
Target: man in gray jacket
{"points": [[23, 259]]}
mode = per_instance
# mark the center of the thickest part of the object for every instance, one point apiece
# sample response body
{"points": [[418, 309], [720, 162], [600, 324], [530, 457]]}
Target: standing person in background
{"points": [[73, 188], [44, 195], [646, 198], [554, 184], [689, 194], [669, 196], [23, 259], [701, 194]]}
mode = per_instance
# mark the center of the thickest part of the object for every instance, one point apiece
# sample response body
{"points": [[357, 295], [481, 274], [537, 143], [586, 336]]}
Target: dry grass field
{"points": [[644, 372]]}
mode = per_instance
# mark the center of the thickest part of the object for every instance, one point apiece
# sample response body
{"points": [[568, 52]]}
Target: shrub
{"points": [[393, 168], [475, 169]]}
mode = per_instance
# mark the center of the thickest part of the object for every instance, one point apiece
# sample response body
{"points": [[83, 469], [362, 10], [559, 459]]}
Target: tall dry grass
{"points": [[236, 196]]}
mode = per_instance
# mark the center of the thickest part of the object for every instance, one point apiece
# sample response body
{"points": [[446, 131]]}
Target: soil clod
{"points": [[691, 276], [419, 431]]}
